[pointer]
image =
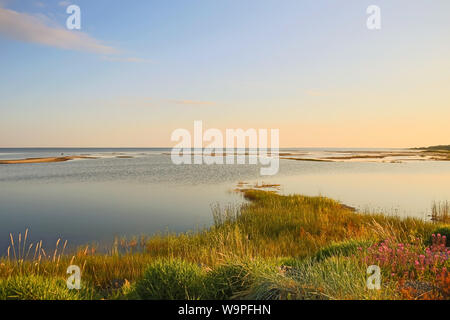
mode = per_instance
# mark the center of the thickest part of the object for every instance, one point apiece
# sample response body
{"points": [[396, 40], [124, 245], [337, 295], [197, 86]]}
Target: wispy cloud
{"points": [[192, 102], [64, 3], [35, 29], [126, 59]]}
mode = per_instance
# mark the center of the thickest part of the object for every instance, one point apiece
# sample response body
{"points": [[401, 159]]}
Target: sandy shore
{"points": [[379, 156], [44, 160], [351, 156]]}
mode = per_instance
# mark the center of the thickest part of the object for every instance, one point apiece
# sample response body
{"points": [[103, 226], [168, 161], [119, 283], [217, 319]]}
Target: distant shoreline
{"points": [[434, 148], [433, 153], [44, 160]]}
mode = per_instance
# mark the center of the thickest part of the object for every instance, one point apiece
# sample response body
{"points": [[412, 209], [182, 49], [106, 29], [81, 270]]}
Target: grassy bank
{"points": [[274, 247]]}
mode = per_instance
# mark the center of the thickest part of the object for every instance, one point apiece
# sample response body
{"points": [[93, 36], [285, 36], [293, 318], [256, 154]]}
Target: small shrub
{"points": [[171, 280]]}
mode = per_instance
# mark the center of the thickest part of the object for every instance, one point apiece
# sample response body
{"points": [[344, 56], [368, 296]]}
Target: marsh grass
{"points": [[171, 279], [440, 212], [244, 254], [35, 287], [345, 248], [337, 277]]}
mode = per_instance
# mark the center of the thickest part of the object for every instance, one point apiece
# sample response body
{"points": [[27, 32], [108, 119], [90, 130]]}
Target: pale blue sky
{"points": [[137, 70]]}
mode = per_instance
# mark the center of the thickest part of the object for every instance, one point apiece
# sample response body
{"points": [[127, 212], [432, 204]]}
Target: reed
{"points": [[440, 211]]}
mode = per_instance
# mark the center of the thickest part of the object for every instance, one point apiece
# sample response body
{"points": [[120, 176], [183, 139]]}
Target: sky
{"points": [[137, 70]]}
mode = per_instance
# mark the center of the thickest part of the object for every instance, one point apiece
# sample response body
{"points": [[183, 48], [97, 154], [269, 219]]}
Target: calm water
{"points": [[95, 200]]}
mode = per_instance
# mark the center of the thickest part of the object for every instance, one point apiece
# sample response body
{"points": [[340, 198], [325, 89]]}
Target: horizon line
{"points": [[170, 147]]}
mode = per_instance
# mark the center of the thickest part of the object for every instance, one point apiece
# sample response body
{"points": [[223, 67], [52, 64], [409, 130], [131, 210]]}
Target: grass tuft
{"points": [[171, 280], [40, 288]]}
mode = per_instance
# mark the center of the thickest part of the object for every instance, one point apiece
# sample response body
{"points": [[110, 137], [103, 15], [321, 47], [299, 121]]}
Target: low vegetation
{"points": [[273, 247], [435, 148]]}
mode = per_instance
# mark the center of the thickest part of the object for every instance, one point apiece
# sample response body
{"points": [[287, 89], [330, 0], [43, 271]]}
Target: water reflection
{"points": [[94, 200]]}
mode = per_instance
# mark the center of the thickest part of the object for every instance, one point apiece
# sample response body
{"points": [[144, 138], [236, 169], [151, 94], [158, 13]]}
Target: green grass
{"points": [[171, 280], [228, 280], [40, 288], [345, 248], [273, 247], [337, 277]]}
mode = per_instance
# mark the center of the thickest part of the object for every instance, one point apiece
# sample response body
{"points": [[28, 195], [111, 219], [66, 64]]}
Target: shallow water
{"points": [[94, 200]]}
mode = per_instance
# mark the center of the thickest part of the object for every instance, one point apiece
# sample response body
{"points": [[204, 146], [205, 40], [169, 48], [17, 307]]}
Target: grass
{"points": [[35, 287], [171, 279], [273, 247], [345, 248], [440, 212]]}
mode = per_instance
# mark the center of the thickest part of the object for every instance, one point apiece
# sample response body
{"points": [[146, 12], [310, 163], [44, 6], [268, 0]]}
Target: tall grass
{"points": [[245, 243], [32, 287], [440, 212]]}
